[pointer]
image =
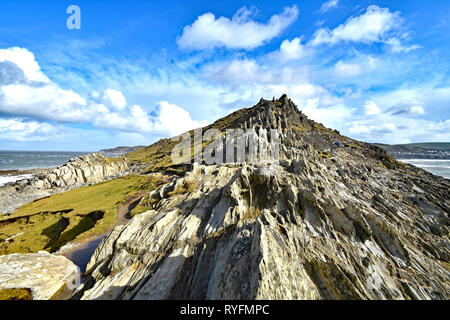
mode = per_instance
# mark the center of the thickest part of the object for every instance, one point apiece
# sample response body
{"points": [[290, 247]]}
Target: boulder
{"points": [[47, 276]]}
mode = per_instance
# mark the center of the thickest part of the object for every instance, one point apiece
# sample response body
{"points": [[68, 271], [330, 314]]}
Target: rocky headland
{"points": [[79, 171], [334, 218]]}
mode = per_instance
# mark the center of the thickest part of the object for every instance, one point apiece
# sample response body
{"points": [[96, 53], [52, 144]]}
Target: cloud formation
{"points": [[17, 129], [239, 32], [290, 50], [115, 98], [371, 108], [356, 87], [330, 4], [26, 91], [373, 26]]}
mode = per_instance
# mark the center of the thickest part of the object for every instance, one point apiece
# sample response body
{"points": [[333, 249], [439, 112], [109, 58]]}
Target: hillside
{"points": [[335, 218], [118, 151], [425, 150], [324, 217]]}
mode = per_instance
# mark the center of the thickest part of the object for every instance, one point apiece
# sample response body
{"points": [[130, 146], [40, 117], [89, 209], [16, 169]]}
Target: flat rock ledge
{"points": [[48, 276]]}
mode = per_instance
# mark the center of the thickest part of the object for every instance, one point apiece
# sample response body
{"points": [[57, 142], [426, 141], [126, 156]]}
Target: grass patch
{"points": [[324, 155], [186, 187], [16, 294], [157, 156], [139, 209], [51, 222]]}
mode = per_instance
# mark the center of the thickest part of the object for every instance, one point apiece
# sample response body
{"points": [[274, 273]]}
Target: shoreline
{"points": [[16, 172]]}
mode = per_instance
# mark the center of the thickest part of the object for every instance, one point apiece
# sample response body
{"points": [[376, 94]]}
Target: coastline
{"points": [[14, 176], [438, 167]]}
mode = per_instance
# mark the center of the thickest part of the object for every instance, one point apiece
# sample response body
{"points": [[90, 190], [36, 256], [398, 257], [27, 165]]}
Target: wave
{"points": [[424, 160], [6, 179]]}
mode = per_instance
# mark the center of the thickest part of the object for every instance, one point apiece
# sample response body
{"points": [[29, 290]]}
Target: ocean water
{"points": [[22, 160], [436, 166]]}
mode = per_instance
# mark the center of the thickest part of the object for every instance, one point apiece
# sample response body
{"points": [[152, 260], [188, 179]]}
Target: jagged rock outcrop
{"points": [[48, 276], [91, 168], [77, 172], [335, 219]]}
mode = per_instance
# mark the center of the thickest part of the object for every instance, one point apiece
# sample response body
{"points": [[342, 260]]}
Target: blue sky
{"points": [[138, 71]]}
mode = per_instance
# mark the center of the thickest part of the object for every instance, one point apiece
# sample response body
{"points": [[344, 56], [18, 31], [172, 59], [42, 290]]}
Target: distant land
{"points": [[423, 150], [118, 151]]}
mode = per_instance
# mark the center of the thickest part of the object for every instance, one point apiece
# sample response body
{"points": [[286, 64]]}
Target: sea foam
{"points": [[6, 179]]}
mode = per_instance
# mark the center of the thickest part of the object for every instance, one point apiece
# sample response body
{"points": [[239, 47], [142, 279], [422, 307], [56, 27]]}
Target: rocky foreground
{"points": [[335, 219], [46, 276]]}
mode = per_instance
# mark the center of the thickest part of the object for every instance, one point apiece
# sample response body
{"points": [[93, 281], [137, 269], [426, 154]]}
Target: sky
{"points": [[137, 71]]}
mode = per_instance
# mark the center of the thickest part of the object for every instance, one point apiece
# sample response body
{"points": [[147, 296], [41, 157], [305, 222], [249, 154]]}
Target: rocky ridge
{"points": [[335, 219], [77, 172]]}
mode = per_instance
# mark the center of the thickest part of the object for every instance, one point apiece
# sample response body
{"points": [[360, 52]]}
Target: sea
{"points": [[439, 167], [25, 160]]}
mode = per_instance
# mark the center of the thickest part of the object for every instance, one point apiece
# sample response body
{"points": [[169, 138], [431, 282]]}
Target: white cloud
{"points": [[45, 100], [239, 32], [176, 119], [237, 70], [397, 47], [319, 23], [21, 130], [371, 108], [415, 100], [24, 59], [33, 94], [115, 98], [332, 115], [170, 121], [372, 26], [290, 50], [398, 129], [343, 69], [330, 4], [419, 110], [377, 128]]}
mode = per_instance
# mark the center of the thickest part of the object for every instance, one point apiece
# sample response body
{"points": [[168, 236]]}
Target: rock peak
{"points": [[347, 221]]}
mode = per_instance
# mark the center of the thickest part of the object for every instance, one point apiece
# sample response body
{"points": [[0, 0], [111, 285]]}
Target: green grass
{"points": [[187, 187], [139, 209], [51, 222], [324, 155], [16, 294]]}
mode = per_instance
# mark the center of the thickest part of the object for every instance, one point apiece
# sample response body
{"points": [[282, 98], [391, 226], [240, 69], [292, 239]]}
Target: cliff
{"points": [[335, 218]]}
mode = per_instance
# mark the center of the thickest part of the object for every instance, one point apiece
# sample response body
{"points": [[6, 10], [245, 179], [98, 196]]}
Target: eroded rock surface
{"points": [[330, 221], [48, 276]]}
